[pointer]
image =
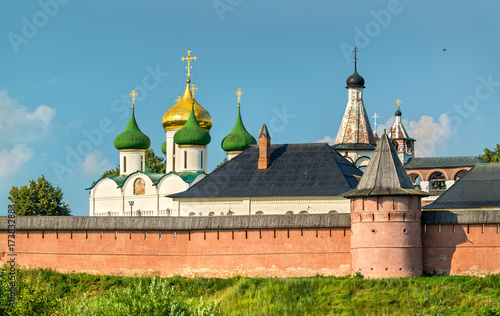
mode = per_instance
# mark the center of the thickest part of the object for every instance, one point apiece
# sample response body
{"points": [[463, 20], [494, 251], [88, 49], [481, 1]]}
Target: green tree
{"points": [[221, 164], [491, 155], [111, 172], [40, 198]]}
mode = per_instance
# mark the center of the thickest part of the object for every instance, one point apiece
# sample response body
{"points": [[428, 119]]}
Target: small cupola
{"points": [[355, 80], [239, 138], [192, 134]]}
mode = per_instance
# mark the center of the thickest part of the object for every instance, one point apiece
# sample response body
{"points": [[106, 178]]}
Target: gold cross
{"points": [[189, 58], [398, 101], [178, 99], [132, 95], [239, 93], [193, 89]]}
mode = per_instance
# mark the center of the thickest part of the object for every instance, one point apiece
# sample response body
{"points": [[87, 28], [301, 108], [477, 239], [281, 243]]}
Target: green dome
{"points": [[132, 137], [164, 147], [192, 133], [239, 139]]}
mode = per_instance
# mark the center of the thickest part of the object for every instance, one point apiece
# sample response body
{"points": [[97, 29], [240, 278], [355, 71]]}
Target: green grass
{"points": [[46, 292]]}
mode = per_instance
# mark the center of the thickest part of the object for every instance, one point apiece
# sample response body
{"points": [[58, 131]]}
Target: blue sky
{"points": [[67, 68]]}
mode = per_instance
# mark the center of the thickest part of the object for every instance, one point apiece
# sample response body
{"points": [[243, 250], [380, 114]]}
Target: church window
{"points": [[173, 159], [437, 181], [303, 212], [289, 213], [211, 214], [139, 186], [415, 179], [395, 145], [259, 213], [460, 174], [332, 212], [201, 160], [142, 163], [192, 214], [124, 164], [229, 213], [185, 160]]}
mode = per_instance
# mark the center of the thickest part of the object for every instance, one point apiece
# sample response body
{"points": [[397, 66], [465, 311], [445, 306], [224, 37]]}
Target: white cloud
{"points": [[18, 124], [93, 164], [327, 139], [11, 161], [51, 81], [431, 136]]}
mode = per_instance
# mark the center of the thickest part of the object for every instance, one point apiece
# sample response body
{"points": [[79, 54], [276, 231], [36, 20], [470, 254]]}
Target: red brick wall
{"points": [[270, 252], [471, 249]]}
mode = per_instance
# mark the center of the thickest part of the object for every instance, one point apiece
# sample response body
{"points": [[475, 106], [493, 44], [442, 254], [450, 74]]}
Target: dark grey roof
{"points": [[294, 170], [264, 132], [385, 175], [357, 146], [480, 187], [442, 162]]}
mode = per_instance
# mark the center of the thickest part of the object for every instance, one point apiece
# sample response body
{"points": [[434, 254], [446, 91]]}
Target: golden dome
{"points": [[177, 116]]}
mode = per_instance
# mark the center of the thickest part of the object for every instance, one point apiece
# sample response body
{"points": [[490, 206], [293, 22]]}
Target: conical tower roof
{"points": [[239, 138], [132, 137], [385, 175], [192, 133]]}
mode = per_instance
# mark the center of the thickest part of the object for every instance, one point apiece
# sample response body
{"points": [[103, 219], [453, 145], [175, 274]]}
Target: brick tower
{"points": [[385, 219]]}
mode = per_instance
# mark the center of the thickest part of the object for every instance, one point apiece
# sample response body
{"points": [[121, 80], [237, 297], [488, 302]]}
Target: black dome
{"points": [[355, 80], [398, 112]]}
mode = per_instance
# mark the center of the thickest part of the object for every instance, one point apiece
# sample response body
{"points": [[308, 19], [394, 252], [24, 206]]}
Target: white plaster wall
{"points": [[169, 157], [169, 184], [194, 158], [105, 197], [231, 155], [144, 202], [271, 205], [134, 162], [425, 185]]}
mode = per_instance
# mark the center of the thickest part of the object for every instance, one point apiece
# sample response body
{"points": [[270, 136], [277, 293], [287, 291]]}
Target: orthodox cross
{"points": [[132, 95], [239, 93], [178, 99], [375, 117], [193, 89], [355, 51], [189, 58], [398, 101]]}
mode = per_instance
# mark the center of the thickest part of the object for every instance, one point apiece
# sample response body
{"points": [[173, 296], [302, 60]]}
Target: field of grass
{"points": [[46, 292]]}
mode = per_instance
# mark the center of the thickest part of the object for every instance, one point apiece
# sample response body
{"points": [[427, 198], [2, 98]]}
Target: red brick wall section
{"points": [[256, 253], [472, 249]]}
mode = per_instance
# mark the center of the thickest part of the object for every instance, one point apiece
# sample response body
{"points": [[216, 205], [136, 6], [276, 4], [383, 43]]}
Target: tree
{"points": [[491, 155], [152, 161], [222, 163], [40, 198]]}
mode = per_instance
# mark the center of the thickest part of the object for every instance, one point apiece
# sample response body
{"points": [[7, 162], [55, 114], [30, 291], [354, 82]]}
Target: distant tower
{"points": [[355, 138], [404, 145], [239, 139], [175, 118], [386, 236], [132, 145]]}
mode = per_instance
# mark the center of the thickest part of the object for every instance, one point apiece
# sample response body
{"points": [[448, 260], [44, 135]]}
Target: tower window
{"points": [[124, 164], [201, 160], [185, 160], [142, 163]]}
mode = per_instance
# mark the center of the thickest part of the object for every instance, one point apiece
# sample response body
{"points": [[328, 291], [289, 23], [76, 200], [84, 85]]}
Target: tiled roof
{"points": [[442, 162], [294, 170], [385, 175], [480, 187]]}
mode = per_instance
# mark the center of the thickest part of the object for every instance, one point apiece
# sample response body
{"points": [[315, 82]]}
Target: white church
{"points": [[259, 178]]}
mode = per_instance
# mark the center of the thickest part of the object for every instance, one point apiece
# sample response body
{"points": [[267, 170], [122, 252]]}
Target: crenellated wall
{"points": [[454, 243]]}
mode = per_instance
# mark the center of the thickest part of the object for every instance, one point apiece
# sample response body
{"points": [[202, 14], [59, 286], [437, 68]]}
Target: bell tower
{"points": [[403, 144]]}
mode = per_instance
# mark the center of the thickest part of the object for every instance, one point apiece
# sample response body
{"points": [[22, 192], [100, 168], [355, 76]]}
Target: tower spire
{"points": [[132, 95], [239, 93], [188, 67], [355, 51]]}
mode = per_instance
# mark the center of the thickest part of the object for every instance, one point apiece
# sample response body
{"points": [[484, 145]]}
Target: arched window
{"points": [[185, 160], [460, 174], [139, 213], [211, 214], [409, 147], [124, 164], [229, 213], [333, 212], [437, 181], [289, 213], [139, 187], [415, 179], [303, 212], [192, 214], [395, 145], [259, 213]]}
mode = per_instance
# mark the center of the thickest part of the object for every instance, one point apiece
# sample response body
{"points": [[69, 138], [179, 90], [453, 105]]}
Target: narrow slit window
{"points": [[201, 160], [185, 160], [124, 164]]}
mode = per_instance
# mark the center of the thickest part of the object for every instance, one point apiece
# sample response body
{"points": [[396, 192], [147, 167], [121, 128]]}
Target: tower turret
{"points": [[403, 144], [355, 138], [132, 144], [239, 138], [386, 236]]}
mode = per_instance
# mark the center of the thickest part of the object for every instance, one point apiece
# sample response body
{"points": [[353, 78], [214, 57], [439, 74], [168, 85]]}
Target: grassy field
{"points": [[45, 292]]}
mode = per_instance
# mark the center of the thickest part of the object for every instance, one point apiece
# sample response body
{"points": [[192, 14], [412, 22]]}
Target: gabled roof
{"points": [[385, 175], [186, 176], [442, 162], [294, 170], [480, 187]]}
